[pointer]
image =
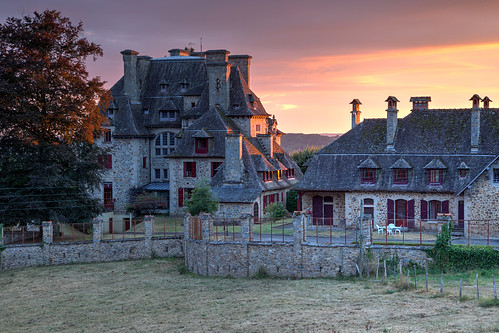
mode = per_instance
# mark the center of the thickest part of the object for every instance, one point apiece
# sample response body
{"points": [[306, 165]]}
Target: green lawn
{"points": [[151, 296]]}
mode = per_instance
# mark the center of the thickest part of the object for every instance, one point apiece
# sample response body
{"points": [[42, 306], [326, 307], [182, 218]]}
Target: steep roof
{"points": [[431, 139]]}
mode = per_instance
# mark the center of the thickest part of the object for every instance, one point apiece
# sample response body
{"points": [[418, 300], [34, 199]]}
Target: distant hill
{"points": [[292, 142]]}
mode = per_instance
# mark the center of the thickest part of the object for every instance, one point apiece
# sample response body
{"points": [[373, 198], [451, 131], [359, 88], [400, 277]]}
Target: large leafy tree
{"points": [[203, 200], [49, 117]]}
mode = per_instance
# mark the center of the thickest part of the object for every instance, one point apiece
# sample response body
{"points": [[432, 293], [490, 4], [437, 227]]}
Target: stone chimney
{"points": [[420, 103], [179, 53], [355, 112], [475, 100], [233, 165], [143, 63], [243, 63], [218, 78], [391, 122], [475, 123], [266, 140], [130, 74], [486, 102]]}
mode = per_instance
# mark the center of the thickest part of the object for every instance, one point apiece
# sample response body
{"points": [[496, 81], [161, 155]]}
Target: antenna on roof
{"points": [[201, 43]]}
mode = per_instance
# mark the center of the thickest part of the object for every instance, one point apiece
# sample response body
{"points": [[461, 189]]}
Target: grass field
{"points": [[152, 296]]}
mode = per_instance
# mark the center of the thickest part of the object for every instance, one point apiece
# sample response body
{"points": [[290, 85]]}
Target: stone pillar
{"points": [[148, 226], [205, 226], [246, 233], [97, 230], [187, 227], [299, 222], [366, 231], [47, 232]]}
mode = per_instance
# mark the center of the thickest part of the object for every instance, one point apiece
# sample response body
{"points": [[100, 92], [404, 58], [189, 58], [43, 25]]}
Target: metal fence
{"points": [[72, 232], [28, 234], [225, 229], [168, 226], [272, 230]]}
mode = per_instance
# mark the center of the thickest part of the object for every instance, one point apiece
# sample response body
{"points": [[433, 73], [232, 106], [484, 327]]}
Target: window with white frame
{"points": [[165, 143], [167, 115], [495, 176]]}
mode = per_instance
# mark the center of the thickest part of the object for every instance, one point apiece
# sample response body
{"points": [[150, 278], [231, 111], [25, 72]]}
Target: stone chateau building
{"points": [[192, 115], [405, 170]]}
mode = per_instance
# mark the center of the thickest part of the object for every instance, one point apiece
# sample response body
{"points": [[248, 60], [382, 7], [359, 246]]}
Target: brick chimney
{"points": [[391, 122], [475, 123], [486, 101], [233, 165], [355, 112], [243, 63], [130, 74], [179, 53], [143, 63], [218, 78], [420, 103]]}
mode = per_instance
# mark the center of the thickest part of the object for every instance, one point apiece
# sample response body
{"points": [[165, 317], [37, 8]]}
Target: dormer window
{"points": [[290, 173], [110, 113], [267, 176], [251, 99], [167, 115], [184, 85], [400, 176], [463, 173], [368, 176], [145, 111], [163, 85], [278, 174], [435, 176], [201, 146], [495, 176]]}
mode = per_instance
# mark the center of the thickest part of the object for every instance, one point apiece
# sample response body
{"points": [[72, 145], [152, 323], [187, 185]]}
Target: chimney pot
{"points": [[355, 112]]}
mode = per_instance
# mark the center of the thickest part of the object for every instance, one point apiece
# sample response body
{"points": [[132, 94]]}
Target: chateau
{"points": [[402, 171], [190, 116]]}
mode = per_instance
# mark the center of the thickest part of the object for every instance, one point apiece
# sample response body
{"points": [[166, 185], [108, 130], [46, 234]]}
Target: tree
{"points": [[302, 156], [144, 203], [49, 119], [276, 210], [202, 199]]}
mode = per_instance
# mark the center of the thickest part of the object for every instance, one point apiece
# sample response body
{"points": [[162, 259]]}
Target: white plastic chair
{"points": [[381, 230], [391, 228]]}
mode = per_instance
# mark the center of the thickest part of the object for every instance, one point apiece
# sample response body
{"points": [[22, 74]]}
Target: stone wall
{"points": [[297, 259], [98, 250]]}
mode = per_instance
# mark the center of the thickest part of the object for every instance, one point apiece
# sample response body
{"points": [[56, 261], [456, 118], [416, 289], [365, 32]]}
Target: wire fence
{"points": [[72, 232], [272, 230]]}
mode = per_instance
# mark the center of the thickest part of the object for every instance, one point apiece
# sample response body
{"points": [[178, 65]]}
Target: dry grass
{"points": [[151, 296]]}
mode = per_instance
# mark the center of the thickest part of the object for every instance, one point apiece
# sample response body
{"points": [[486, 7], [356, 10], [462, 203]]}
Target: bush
{"points": [[276, 210], [461, 258], [202, 199]]}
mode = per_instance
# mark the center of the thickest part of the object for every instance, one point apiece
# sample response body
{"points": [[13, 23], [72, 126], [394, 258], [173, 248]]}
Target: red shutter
{"points": [[410, 214], [390, 206], [185, 169], [445, 207], [99, 160], [109, 161], [180, 197], [193, 169], [424, 210]]}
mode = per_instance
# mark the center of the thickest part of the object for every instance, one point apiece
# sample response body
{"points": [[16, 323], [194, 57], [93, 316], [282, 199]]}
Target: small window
{"points": [[267, 176], [165, 173], [144, 162], [167, 115], [434, 208], [279, 174], [146, 111], [368, 176], [401, 176], [110, 113], [435, 177], [163, 86], [107, 135], [189, 169], [290, 173], [165, 143], [193, 104], [258, 129], [201, 146], [463, 173], [157, 173], [214, 167], [495, 177]]}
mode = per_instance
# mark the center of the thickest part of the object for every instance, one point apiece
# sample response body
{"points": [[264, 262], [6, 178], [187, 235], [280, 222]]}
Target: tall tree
{"points": [[49, 117]]}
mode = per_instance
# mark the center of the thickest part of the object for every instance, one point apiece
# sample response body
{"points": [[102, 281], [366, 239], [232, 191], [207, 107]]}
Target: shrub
{"points": [[202, 199], [291, 203], [276, 210]]}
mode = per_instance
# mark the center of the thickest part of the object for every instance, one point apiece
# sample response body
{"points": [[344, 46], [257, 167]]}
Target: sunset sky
{"points": [[310, 58]]}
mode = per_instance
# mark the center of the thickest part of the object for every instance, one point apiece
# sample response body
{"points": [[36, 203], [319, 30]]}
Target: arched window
{"points": [[165, 143]]}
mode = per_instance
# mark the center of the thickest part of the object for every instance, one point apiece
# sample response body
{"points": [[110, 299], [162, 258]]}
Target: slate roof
{"points": [[432, 138]]}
